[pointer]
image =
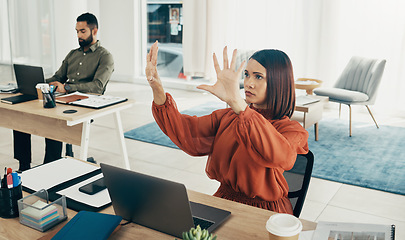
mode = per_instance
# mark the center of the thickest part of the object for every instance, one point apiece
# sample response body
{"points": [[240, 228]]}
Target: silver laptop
{"points": [[157, 203]]}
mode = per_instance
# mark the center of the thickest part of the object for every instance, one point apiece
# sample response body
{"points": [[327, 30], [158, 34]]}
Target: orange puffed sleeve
{"points": [[194, 135]]}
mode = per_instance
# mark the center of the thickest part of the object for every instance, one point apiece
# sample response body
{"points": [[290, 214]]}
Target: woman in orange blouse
{"points": [[250, 144]]}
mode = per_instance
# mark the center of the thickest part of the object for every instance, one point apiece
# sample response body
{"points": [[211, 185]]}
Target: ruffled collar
{"points": [[266, 113]]}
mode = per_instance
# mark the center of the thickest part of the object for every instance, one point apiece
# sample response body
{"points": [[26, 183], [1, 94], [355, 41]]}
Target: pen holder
{"points": [[49, 100], [9, 201]]}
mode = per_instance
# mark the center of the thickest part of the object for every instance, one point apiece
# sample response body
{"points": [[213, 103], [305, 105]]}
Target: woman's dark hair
{"points": [[89, 18], [280, 92]]}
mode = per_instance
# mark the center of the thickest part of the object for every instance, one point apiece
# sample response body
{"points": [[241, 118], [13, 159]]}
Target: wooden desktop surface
{"points": [[31, 117], [245, 222], [36, 107]]}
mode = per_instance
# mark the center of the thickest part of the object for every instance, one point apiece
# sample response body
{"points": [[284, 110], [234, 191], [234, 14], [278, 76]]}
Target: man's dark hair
{"points": [[89, 18]]}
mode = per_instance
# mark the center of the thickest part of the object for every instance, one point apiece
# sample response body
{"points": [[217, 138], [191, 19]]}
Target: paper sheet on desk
{"points": [[97, 200], [51, 174]]}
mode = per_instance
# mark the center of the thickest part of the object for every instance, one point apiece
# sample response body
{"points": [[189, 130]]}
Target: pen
{"points": [[9, 181], [55, 89], [16, 179]]}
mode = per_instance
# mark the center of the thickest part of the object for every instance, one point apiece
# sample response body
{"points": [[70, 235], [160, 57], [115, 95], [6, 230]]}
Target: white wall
{"points": [[118, 22], [65, 14], [119, 32], [123, 23]]}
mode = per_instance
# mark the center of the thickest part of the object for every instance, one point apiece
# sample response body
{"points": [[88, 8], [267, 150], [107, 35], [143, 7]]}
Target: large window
{"points": [[31, 31], [26, 36], [165, 24], [6, 73]]}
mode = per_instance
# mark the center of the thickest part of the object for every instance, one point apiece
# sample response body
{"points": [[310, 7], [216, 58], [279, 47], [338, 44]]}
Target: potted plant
{"points": [[198, 234]]}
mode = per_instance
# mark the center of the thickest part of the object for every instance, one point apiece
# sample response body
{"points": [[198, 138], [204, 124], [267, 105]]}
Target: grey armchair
{"points": [[357, 85]]}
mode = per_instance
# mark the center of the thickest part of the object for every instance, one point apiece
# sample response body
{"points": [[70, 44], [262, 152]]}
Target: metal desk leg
{"points": [[84, 146], [120, 132]]}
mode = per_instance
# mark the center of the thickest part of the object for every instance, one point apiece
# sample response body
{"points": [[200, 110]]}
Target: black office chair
{"points": [[298, 180]]}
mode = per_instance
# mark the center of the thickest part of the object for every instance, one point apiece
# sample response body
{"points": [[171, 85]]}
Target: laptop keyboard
{"points": [[204, 224]]}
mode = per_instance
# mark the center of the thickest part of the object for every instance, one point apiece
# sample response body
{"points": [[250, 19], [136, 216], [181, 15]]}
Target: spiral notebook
{"points": [[343, 230]]}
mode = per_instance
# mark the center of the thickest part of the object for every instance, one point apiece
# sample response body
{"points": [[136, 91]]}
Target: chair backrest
{"points": [[298, 179], [362, 75]]}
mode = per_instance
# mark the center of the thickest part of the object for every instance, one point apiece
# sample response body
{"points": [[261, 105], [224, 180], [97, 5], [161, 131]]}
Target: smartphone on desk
{"points": [[93, 187]]}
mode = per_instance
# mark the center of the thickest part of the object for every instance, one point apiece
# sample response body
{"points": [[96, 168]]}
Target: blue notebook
{"points": [[89, 225]]}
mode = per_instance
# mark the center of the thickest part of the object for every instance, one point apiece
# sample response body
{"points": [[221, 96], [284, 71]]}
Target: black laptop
{"points": [[27, 78], [157, 203]]}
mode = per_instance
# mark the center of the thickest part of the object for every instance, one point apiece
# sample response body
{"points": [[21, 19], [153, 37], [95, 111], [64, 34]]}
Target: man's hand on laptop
{"points": [[61, 86]]}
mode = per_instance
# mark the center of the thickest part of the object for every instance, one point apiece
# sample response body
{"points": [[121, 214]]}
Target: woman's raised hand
{"points": [[159, 96], [227, 86]]}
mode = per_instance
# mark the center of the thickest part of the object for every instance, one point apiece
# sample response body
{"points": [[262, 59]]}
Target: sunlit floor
{"points": [[326, 200]]}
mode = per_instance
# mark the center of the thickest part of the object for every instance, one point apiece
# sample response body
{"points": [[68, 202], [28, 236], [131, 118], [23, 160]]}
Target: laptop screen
{"points": [[152, 202], [157, 203], [28, 77]]}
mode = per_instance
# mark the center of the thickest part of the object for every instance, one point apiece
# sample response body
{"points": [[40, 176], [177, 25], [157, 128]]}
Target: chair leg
{"points": [[350, 120], [316, 129], [69, 150], [369, 111]]}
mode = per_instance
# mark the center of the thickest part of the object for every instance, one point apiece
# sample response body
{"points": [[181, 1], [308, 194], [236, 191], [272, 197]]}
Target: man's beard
{"points": [[86, 42]]}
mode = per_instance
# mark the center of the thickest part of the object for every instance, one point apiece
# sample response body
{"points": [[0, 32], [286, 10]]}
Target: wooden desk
{"points": [[31, 117], [245, 222], [310, 114]]}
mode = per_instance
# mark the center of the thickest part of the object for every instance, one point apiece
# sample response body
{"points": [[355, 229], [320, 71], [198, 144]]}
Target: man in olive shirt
{"points": [[85, 69]]}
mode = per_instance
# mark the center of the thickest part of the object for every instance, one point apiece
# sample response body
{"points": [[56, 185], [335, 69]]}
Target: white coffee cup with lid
{"points": [[282, 226]]}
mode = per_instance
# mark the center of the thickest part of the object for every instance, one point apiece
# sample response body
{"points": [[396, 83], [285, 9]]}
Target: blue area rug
{"points": [[371, 158], [151, 132]]}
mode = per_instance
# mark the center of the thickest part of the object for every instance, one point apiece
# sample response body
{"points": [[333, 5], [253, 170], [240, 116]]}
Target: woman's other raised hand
{"points": [[227, 86], [159, 96]]}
